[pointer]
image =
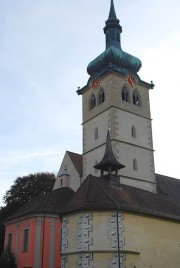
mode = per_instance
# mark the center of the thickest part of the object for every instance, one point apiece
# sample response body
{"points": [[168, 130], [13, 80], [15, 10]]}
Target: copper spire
{"points": [[112, 13]]}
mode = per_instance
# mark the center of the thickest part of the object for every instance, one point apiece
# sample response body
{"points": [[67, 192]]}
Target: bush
{"points": [[7, 259]]}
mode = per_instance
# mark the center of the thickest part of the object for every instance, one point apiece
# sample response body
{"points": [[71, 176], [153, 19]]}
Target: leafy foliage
{"points": [[28, 187], [7, 259], [24, 190]]}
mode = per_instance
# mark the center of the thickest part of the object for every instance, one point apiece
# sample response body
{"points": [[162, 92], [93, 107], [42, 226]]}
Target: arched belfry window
{"points": [[101, 96], [133, 132], [125, 94], [96, 133], [135, 165], [136, 98], [92, 102]]}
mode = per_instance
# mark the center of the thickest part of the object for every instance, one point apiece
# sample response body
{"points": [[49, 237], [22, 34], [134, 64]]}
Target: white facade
{"points": [[68, 176], [130, 128]]}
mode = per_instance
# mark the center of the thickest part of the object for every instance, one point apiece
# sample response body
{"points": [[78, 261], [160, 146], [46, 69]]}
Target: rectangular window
{"points": [[9, 242], [25, 241]]}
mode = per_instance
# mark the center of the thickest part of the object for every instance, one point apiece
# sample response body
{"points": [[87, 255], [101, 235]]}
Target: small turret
{"points": [[109, 162], [112, 29]]}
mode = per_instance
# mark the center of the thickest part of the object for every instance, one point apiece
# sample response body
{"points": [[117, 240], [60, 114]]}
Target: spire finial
{"points": [[112, 13]]}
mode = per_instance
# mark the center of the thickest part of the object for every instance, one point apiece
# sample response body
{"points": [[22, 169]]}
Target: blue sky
{"points": [[45, 47]]}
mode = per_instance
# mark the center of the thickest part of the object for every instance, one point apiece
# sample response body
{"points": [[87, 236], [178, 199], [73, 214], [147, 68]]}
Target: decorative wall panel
{"points": [[84, 235], [64, 260], [115, 231], [64, 233], [118, 258], [85, 261]]}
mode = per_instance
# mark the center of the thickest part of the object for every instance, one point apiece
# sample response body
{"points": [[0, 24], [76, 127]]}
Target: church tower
{"points": [[115, 97]]}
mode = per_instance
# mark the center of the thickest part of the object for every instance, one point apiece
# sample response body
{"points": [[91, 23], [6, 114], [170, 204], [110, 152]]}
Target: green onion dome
{"points": [[114, 58]]}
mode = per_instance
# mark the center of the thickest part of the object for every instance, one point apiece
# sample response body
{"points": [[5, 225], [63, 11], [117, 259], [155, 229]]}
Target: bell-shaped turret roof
{"points": [[109, 162]]}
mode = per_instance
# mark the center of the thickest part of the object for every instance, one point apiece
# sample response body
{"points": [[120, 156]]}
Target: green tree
{"points": [[28, 187], [24, 190]]}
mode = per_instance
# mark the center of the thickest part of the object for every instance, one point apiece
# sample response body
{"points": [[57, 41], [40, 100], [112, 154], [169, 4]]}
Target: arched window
{"points": [[9, 243], [133, 132], [92, 102], [135, 165], [125, 94], [96, 133], [136, 98], [101, 96]]}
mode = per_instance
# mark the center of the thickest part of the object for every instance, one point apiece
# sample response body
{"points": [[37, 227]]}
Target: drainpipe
{"points": [[118, 245]]}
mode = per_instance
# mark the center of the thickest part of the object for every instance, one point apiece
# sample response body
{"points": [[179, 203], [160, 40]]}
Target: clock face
{"points": [[95, 83], [130, 80]]}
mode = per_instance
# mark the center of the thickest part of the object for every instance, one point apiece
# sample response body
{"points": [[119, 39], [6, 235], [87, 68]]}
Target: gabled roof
{"points": [[98, 194], [77, 161], [51, 203]]}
